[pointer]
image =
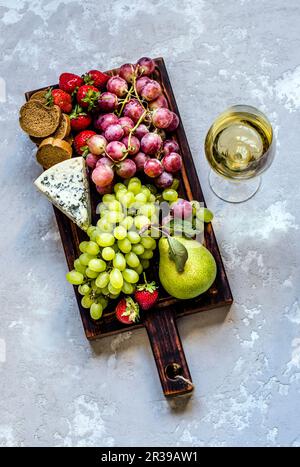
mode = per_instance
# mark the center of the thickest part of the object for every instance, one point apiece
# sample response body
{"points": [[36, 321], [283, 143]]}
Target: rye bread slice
{"points": [[52, 151], [38, 120], [64, 127], [40, 96]]}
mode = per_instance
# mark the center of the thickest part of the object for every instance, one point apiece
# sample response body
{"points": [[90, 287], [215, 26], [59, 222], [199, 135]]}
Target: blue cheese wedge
{"points": [[66, 185]]}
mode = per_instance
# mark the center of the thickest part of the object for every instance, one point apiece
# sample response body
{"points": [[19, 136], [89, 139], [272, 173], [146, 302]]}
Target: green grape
{"points": [[105, 239], [134, 185], [152, 188], [120, 194], [130, 276], [102, 280], [94, 235], [85, 258], [95, 288], [134, 180], [145, 190], [74, 277], [138, 249], [84, 289], [148, 254], [108, 253], [170, 195], [90, 230], [115, 206], [127, 288], [204, 214], [92, 248], [132, 260], [120, 232], [96, 311], [141, 221], [133, 237], [119, 187], [127, 222], [82, 247], [148, 242], [147, 210], [175, 184], [119, 262], [124, 245], [114, 296], [127, 199], [103, 301], [105, 290], [152, 198], [91, 274], [104, 213], [97, 265], [116, 278], [145, 263], [108, 198], [79, 267], [104, 225], [139, 269], [87, 301], [113, 290], [141, 198], [115, 216]]}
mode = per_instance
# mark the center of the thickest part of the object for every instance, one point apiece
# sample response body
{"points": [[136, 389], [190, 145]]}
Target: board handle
{"points": [[168, 352]]}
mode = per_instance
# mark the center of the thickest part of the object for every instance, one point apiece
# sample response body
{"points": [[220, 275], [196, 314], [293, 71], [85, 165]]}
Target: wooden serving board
{"points": [[159, 322]]}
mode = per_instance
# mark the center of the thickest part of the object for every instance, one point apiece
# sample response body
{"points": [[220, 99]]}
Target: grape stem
{"points": [[125, 101]]}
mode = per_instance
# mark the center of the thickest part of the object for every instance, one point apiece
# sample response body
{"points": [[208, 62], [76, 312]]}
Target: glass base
{"points": [[233, 192]]}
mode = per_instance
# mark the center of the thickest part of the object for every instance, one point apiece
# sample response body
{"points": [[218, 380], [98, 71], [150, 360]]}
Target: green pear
{"points": [[198, 274]]}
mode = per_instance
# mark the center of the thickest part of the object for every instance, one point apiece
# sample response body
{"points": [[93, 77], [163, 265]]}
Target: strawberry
{"points": [[60, 98], [80, 141], [146, 295], [88, 96], [80, 120], [127, 311], [69, 82], [97, 78]]}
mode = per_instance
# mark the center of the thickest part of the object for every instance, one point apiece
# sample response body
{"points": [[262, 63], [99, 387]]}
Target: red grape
{"points": [[108, 102], [114, 132], [170, 145], [91, 160], [139, 159], [126, 72], [133, 110], [146, 65], [134, 145], [126, 168], [97, 144], [105, 161], [172, 162], [117, 86], [153, 168], [127, 124], [174, 124], [182, 209], [116, 150], [105, 190], [151, 143], [162, 118], [151, 90], [161, 101], [141, 131], [101, 122], [102, 175], [141, 82], [165, 180]]}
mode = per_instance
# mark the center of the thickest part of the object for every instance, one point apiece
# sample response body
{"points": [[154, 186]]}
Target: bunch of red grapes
{"points": [[133, 130]]}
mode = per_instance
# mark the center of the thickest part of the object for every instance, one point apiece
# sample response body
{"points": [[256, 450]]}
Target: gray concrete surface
{"points": [[55, 388]]}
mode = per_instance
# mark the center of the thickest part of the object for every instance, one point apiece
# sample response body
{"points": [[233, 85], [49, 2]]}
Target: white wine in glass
{"points": [[239, 146]]}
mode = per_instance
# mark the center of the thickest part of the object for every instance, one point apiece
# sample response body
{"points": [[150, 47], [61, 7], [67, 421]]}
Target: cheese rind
{"points": [[66, 186]]}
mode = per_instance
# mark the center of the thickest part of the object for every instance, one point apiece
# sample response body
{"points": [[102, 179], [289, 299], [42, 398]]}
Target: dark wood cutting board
{"points": [[160, 322]]}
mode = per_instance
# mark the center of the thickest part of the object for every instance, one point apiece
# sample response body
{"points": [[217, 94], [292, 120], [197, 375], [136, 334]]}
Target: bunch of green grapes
{"points": [[117, 252]]}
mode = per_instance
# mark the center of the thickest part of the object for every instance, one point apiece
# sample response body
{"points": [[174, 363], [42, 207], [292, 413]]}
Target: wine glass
{"points": [[239, 146]]}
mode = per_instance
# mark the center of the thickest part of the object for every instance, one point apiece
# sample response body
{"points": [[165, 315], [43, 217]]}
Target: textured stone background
{"points": [[55, 388]]}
